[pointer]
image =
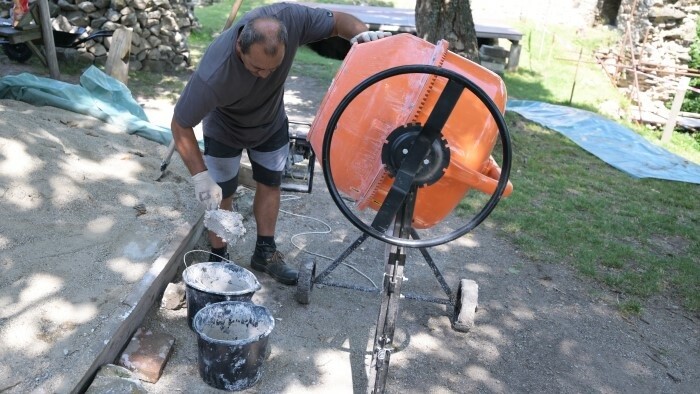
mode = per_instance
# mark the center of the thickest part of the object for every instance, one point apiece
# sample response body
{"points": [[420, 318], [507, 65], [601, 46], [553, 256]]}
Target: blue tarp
{"points": [[98, 95], [615, 144]]}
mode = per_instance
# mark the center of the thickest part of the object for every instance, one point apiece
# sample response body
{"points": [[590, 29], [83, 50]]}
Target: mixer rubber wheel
{"points": [[407, 176], [305, 282], [466, 305]]}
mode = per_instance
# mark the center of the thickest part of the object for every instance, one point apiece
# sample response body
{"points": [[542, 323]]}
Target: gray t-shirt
{"points": [[237, 108]]}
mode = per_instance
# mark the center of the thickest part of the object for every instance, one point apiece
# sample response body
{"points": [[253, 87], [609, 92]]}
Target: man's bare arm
{"points": [[347, 26], [187, 147]]}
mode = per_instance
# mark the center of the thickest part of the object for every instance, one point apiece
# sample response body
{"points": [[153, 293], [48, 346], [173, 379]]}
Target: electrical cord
{"points": [[287, 197]]}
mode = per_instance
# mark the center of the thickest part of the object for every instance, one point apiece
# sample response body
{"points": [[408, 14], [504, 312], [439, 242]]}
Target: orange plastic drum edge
{"points": [[470, 132]]}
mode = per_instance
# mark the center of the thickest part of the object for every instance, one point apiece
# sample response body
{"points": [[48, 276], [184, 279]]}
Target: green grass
{"points": [[550, 70], [638, 236], [631, 307], [308, 63]]}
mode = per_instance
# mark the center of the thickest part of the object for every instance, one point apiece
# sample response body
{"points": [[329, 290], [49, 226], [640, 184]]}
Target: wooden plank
{"points": [[118, 57], [675, 109], [144, 296], [15, 36], [232, 14], [47, 34]]}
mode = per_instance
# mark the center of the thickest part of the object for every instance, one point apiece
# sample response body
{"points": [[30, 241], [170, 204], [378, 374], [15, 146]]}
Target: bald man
{"points": [[237, 93]]}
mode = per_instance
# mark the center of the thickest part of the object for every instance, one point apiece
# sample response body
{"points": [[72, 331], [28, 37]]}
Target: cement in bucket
{"points": [[232, 339], [207, 283]]}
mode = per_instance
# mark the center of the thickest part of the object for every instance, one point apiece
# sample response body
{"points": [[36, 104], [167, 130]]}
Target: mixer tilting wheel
{"points": [[407, 154]]}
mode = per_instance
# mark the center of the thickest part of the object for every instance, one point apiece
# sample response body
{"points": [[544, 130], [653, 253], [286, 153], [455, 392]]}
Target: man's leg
{"points": [[266, 208], [268, 160]]}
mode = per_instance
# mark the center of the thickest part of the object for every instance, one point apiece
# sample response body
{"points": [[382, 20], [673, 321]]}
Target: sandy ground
{"points": [[83, 221], [73, 245]]}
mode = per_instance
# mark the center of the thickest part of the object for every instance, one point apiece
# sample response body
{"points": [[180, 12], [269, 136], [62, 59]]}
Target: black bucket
{"points": [[232, 340], [207, 283]]}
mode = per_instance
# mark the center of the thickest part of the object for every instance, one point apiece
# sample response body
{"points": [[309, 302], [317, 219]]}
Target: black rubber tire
{"points": [[305, 283], [17, 52], [466, 305]]}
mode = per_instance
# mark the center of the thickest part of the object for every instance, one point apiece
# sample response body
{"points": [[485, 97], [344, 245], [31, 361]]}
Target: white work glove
{"points": [[207, 192], [367, 36]]}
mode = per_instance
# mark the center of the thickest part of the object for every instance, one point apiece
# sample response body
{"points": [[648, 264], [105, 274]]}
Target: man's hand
{"points": [[367, 36], [207, 192]]}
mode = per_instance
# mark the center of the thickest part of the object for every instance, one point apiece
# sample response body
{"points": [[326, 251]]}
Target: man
{"points": [[237, 92]]}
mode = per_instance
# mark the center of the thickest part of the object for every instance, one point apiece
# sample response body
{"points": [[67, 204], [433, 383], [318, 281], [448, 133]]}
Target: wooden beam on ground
{"points": [[118, 57], [144, 296]]}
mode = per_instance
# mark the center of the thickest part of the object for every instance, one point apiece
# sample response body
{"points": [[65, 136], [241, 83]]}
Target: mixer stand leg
{"points": [[389, 310]]}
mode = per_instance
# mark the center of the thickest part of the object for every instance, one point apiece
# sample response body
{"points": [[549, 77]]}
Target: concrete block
{"points": [[498, 68], [493, 51]]}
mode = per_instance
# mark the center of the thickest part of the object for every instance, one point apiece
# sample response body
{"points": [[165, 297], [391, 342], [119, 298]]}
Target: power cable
{"points": [[327, 231]]}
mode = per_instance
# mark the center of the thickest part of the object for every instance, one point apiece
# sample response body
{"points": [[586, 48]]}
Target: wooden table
{"points": [[403, 20]]}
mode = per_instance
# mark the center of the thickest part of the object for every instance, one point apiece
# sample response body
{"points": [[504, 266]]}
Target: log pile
{"points": [[160, 29]]}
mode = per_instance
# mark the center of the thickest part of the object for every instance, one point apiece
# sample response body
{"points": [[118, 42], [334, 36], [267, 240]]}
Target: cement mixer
{"points": [[407, 129]]}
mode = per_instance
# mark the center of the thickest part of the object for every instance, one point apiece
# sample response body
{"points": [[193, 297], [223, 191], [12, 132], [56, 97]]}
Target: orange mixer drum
{"points": [[356, 151]]}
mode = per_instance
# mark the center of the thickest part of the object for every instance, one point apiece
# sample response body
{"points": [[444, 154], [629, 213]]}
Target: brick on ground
{"points": [[147, 353]]}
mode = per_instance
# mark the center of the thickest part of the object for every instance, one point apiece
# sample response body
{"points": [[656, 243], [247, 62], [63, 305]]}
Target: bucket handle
{"points": [[184, 257]]}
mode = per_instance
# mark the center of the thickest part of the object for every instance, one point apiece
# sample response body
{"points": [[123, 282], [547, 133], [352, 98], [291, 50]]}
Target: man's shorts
{"points": [[267, 159]]}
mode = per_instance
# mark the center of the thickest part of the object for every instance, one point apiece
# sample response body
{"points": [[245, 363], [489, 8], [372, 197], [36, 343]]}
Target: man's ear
{"points": [[239, 52]]}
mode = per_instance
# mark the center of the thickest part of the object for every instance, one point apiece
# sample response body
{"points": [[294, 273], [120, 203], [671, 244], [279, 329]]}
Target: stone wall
{"points": [[159, 30], [662, 32]]}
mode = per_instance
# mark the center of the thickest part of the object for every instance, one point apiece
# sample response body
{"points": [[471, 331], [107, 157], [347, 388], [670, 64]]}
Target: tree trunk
{"points": [[449, 20]]}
